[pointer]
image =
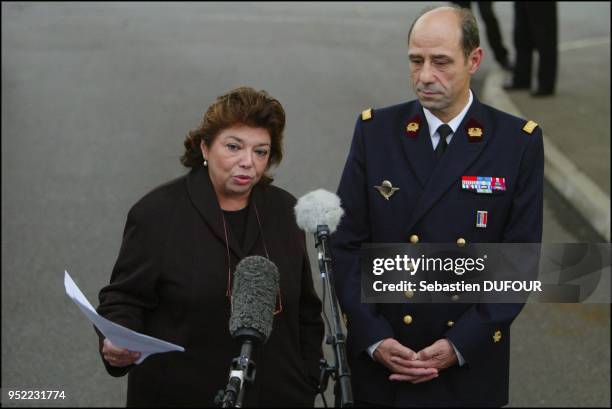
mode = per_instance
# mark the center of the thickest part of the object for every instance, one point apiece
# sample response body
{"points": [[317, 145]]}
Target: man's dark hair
{"points": [[470, 39]]}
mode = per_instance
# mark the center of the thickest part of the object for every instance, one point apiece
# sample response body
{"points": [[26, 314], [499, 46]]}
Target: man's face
{"points": [[439, 71]]}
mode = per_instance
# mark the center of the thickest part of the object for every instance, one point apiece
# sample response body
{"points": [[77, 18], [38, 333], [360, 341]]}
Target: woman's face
{"points": [[237, 159]]}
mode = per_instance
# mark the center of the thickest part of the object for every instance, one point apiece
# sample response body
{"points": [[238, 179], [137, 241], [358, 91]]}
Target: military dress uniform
{"points": [[430, 205]]}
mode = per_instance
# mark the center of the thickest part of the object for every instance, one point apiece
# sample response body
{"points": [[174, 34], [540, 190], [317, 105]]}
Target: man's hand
{"points": [[399, 359], [439, 355]]}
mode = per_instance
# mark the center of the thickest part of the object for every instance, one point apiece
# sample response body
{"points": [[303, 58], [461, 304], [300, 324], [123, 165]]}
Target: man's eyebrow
{"points": [[437, 56]]}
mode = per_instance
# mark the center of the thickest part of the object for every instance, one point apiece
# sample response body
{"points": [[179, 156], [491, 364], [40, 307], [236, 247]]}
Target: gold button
{"points": [[407, 319], [414, 239], [450, 323], [409, 294], [461, 242], [455, 297]]}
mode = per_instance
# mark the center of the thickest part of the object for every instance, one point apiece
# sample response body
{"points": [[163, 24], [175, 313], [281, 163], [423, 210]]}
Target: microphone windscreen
{"points": [[316, 208], [253, 297]]}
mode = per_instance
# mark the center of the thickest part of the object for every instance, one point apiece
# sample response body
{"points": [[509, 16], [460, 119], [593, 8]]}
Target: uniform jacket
{"points": [[170, 282], [432, 205]]}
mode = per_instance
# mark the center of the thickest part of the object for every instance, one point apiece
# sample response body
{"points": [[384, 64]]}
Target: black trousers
{"points": [[535, 28]]}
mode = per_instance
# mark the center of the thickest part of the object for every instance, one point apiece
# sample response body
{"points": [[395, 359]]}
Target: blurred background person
{"points": [[535, 28], [493, 32], [181, 244]]}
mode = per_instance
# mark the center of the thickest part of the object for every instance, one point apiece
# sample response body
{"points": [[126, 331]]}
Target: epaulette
{"points": [[366, 114], [529, 127]]}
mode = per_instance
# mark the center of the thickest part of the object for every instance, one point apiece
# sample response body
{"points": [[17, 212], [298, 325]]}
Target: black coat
{"points": [[170, 282]]}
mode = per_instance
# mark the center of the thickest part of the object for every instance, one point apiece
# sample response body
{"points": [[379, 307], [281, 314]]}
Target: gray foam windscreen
{"points": [[316, 208], [254, 296]]}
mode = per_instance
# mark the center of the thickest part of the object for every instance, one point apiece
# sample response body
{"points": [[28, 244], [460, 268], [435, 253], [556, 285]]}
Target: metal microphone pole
{"points": [[340, 369], [242, 371]]}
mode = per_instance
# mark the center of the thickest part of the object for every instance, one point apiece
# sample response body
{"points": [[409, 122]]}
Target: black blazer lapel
{"points": [[417, 145], [204, 198], [459, 155]]}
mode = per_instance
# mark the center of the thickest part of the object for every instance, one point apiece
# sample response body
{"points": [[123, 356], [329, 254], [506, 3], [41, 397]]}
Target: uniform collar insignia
{"points": [[474, 130], [413, 125]]}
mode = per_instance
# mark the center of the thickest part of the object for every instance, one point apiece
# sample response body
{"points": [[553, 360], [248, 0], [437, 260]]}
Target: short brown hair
{"points": [[242, 105], [470, 39]]}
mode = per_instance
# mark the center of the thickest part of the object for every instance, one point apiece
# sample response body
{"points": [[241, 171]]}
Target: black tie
{"points": [[444, 130]]}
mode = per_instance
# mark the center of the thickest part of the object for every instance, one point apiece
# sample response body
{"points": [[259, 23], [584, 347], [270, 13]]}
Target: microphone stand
{"points": [[242, 370], [340, 371]]}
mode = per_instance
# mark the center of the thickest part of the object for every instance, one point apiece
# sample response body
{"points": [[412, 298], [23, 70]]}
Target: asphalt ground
{"points": [[96, 101], [576, 119]]}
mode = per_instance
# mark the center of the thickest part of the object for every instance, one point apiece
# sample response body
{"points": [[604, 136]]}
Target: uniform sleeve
{"points": [[311, 323], [525, 222], [474, 333], [132, 285], [365, 325]]}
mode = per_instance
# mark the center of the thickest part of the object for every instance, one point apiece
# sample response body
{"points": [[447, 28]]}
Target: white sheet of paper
{"points": [[117, 334]]}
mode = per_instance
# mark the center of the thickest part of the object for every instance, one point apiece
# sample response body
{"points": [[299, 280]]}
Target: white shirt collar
{"points": [[433, 122]]}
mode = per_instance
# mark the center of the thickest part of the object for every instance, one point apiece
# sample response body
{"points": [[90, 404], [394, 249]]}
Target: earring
{"points": [[205, 163]]}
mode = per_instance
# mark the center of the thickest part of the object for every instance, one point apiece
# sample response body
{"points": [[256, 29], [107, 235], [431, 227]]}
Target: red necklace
{"points": [[228, 293]]}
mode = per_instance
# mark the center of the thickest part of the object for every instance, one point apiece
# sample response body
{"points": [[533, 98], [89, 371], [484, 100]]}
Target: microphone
{"points": [[253, 300], [319, 212], [318, 208]]}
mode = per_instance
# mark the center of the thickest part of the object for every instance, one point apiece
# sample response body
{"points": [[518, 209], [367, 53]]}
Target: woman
{"points": [[181, 243]]}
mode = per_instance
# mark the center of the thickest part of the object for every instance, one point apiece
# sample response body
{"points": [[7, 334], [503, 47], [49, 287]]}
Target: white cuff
{"points": [[373, 347], [459, 356]]}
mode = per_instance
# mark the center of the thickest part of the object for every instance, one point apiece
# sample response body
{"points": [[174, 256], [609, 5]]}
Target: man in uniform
{"points": [[408, 178]]}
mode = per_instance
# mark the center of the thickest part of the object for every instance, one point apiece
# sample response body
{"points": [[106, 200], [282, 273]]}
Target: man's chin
{"points": [[430, 104]]}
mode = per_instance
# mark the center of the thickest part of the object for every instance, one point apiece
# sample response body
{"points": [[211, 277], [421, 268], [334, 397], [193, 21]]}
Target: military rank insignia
{"points": [[481, 218], [483, 184], [474, 130], [412, 128], [530, 126], [366, 114]]}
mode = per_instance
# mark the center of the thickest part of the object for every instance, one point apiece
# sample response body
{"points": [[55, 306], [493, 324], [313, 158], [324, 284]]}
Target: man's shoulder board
{"points": [[366, 114], [529, 127]]}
